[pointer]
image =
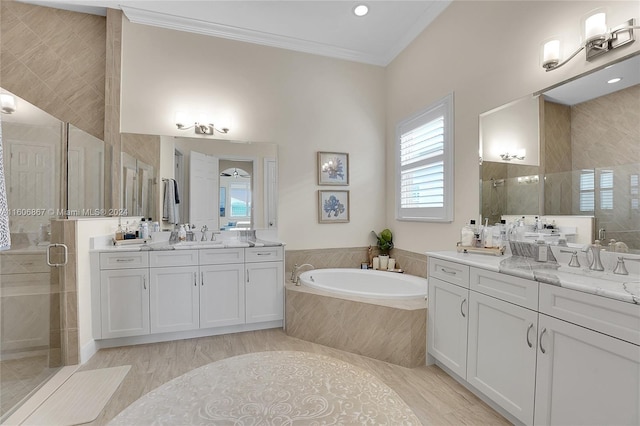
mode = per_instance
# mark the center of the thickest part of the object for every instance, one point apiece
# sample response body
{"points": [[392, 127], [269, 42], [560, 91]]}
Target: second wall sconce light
{"points": [[203, 126], [598, 40]]}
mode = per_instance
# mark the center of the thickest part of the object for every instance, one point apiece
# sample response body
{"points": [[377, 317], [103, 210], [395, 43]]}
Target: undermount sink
{"points": [[183, 245], [587, 276]]}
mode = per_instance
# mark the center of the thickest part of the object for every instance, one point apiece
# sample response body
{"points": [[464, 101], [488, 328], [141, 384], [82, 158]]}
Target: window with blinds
{"points": [[424, 164], [587, 190]]}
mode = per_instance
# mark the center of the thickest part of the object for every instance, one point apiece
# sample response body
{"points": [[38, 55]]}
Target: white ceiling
{"points": [[327, 28]]}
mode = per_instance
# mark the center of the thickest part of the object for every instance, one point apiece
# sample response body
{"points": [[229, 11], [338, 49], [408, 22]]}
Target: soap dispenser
{"points": [[182, 233]]}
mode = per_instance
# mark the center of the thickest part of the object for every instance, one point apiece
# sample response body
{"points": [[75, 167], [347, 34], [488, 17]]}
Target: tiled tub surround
{"points": [[388, 330], [352, 257]]}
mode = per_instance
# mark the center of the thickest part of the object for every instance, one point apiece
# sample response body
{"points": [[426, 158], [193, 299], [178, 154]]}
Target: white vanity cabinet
{"points": [[124, 294], [585, 376], [448, 314], [155, 295], [264, 284], [501, 359], [545, 354], [222, 291], [174, 291]]}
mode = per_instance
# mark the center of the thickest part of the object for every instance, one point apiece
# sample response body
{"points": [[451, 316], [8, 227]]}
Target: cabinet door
{"points": [[264, 292], [124, 299], [174, 299], [585, 377], [447, 325], [221, 295], [501, 361]]}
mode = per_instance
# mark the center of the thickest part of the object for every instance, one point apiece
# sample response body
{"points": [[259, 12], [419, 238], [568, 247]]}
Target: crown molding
{"points": [[146, 17]]}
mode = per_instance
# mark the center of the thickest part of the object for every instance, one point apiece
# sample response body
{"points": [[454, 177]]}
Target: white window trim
{"points": [[444, 214]]}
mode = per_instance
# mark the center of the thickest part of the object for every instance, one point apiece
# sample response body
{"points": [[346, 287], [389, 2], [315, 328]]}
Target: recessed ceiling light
{"points": [[361, 10], [614, 80]]}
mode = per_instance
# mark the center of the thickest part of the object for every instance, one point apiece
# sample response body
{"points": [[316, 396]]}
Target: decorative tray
{"points": [[496, 251]]}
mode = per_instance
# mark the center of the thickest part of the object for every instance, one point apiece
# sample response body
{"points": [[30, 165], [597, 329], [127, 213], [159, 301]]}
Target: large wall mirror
{"points": [[219, 183], [589, 156], [222, 184]]}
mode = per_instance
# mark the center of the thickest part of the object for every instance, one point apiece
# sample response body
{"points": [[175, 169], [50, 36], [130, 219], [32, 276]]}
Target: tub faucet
{"points": [[295, 273]]}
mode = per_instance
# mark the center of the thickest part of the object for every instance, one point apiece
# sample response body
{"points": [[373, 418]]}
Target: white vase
{"points": [[384, 262]]}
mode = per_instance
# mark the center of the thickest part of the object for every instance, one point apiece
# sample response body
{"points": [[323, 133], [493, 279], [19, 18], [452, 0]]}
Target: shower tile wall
{"points": [[605, 134], [556, 159], [55, 59]]}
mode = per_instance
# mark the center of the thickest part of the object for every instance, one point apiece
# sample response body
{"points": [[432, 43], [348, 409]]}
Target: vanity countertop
{"points": [[620, 287], [191, 245]]}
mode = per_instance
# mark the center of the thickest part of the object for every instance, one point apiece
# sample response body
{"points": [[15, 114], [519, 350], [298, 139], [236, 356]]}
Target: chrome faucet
{"points": [[295, 275], [204, 233], [596, 264], [213, 235], [574, 263], [620, 268]]}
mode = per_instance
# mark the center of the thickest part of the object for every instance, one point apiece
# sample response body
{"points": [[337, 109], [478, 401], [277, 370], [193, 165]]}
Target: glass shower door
{"points": [[33, 146]]}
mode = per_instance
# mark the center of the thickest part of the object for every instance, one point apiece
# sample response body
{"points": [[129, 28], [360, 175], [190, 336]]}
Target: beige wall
{"points": [[55, 59], [304, 103], [488, 53]]}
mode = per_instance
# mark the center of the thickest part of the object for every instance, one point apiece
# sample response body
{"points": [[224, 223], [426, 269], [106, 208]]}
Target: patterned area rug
{"points": [[272, 388]]}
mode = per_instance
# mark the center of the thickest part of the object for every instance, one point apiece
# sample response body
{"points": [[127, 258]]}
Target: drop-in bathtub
{"points": [[378, 314], [366, 283]]}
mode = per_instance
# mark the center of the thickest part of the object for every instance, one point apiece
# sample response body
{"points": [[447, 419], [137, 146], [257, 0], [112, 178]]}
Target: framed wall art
{"points": [[333, 168], [333, 206]]}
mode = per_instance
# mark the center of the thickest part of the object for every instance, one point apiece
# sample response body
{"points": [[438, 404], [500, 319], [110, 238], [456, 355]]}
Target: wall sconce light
{"points": [[598, 40], [519, 155], [8, 103], [200, 126]]}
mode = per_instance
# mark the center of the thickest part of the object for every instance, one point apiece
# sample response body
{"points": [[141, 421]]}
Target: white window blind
{"points": [[424, 164], [587, 190], [606, 190]]}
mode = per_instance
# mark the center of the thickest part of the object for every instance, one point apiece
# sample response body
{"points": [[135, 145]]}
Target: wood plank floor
{"points": [[435, 398]]}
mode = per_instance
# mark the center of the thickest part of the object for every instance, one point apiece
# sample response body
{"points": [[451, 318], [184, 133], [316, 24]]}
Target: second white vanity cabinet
{"points": [[264, 292], [222, 289], [174, 292], [193, 291], [124, 294]]}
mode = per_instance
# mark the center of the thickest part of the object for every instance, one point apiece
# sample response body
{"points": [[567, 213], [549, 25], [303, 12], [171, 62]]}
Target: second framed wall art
{"points": [[333, 206]]}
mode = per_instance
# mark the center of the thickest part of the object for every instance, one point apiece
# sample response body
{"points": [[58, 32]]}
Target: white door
{"points": [[264, 292], [501, 360], [174, 299], [203, 191], [271, 192], [222, 295], [584, 377], [447, 325], [124, 296]]}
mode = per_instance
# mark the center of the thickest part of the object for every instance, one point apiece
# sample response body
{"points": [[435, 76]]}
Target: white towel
{"points": [[169, 208]]}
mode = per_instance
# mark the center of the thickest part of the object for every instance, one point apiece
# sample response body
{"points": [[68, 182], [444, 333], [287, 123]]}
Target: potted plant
{"points": [[385, 244]]}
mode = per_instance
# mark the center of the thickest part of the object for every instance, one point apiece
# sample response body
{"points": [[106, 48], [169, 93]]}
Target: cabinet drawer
{"points": [[263, 254], [129, 259], [511, 289], [23, 263], [173, 258], [612, 317], [450, 272], [221, 256]]}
